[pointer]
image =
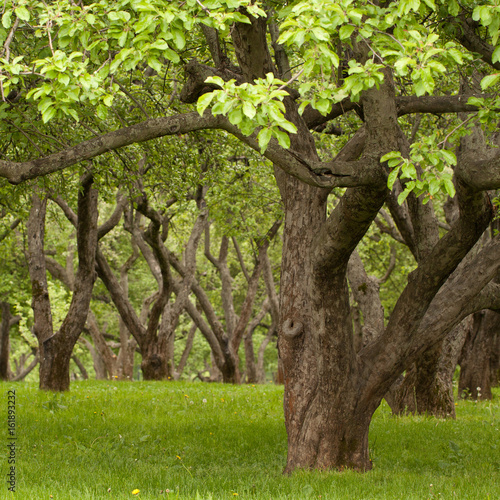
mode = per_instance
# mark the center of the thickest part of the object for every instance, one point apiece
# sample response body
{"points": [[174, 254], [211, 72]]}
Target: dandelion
{"points": [[204, 401], [136, 492], [222, 399], [191, 402]]}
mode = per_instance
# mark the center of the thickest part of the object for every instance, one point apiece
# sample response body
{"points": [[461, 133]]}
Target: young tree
{"points": [[378, 59]]}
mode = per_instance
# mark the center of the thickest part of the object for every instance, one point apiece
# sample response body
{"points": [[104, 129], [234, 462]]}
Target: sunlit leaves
{"points": [[435, 170], [250, 106]]}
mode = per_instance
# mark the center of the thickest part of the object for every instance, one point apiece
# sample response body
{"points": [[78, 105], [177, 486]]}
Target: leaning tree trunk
{"points": [[428, 384], [475, 371]]}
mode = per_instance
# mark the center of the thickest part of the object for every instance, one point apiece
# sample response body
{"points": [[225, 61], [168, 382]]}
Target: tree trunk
{"points": [[475, 372], [428, 384], [97, 360], [56, 348], [495, 359], [55, 357], [4, 341], [81, 367], [326, 426], [185, 352], [154, 363]]}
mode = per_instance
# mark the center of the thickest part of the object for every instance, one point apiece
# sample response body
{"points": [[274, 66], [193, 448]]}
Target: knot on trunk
{"points": [[292, 328]]}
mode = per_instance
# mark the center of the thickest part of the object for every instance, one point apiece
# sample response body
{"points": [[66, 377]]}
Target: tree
{"points": [[56, 347], [377, 59]]}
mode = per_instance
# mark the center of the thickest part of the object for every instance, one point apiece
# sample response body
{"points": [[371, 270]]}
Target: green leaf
{"points": [[434, 186], [264, 137], [108, 100], [179, 40], [249, 109], [203, 102], [288, 126], [490, 80], [402, 196], [74, 114], [449, 186], [7, 19], [392, 177], [48, 114], [449, 156], [388, 156], [283, 138], [321, 34], [496, 55], [122, 39], [235, 116], [22, 13], [346, 31], [172, 56]]}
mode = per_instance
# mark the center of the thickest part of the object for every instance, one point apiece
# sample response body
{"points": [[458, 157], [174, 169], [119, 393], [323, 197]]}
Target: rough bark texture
{"points": [[475, 360], [56, 348], [4, 341], [428, 385]]}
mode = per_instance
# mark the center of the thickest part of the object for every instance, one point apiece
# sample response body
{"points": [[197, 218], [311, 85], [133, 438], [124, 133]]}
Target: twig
{"points": [[443, 142], [6, 45], [292, 79]]}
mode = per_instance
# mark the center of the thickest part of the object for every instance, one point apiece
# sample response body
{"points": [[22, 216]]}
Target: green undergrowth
{"points": [[208, 441]]}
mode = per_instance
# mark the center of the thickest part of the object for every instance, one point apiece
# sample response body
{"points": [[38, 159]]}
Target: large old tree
{"points": [[273, 85]]}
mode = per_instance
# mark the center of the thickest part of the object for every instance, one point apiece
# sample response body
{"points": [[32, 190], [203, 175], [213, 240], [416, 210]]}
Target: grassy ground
{"points": [[208, 441]]}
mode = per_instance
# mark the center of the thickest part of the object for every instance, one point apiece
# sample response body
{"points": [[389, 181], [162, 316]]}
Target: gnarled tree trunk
{"points": [[56, 348]]}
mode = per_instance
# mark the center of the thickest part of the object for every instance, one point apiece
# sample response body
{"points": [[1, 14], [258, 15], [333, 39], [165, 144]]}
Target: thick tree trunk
{"points": [[155, 361], [428, 385], [475, 371], [327, 427], [55, 357]]}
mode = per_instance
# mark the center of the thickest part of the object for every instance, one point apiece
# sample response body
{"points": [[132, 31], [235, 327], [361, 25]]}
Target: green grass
{"points": [[231, 440]]}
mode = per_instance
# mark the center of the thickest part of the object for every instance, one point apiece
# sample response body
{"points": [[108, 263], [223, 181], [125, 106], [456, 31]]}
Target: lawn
{"points": [[104, 440]]}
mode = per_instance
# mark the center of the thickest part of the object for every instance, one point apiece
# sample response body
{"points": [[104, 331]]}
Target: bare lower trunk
{"points": [[55, 357], [327, 426], [4, 341], [251, 368], [427, 387], [495, 360], [475, 371], [154, 363]]}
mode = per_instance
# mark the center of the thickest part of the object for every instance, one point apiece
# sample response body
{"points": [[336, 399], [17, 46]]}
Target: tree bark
{"points": [[475, 371], [4, 341], [56, 348], [427, 387]]}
